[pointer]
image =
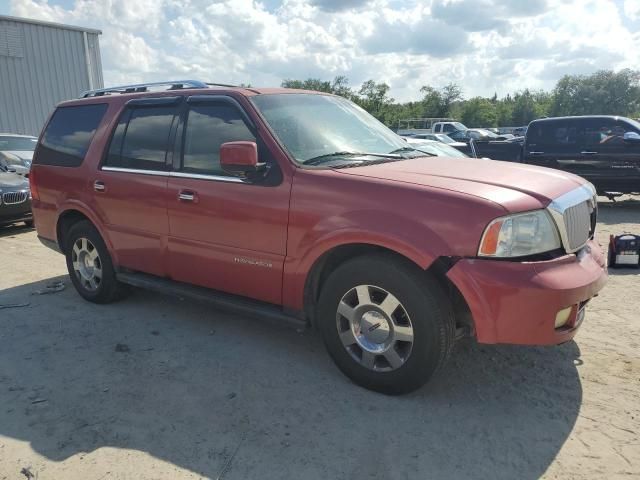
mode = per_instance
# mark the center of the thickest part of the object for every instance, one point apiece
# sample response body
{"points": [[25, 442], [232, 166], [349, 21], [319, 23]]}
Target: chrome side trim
{"points": [[558, 207], [198, 176], [135, 170]]}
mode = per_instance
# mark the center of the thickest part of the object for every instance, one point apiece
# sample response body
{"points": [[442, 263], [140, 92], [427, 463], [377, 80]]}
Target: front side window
{"points": [[207, 128], [141, 139], [311, 126], [597, 132], [68, 135]]}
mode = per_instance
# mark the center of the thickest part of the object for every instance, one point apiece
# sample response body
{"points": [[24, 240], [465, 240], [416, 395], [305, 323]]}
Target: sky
{"points": [[485, 46]]}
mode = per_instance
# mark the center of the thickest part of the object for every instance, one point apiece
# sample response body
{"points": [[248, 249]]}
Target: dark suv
{"points": [[603, 149], [300, 205]]}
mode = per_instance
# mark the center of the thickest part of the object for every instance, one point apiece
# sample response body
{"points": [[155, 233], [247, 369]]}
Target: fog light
{"points": [[562, 317]]}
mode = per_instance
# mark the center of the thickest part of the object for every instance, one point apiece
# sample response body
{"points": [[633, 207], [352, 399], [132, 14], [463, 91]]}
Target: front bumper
{"points": [[517, 302], [15, 213]]}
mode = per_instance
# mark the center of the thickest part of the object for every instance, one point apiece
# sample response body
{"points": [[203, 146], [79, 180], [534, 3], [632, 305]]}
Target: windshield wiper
{"points": [[411, 149], [329, 156]]}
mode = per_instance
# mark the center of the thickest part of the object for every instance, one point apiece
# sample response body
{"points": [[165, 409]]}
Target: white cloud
{"points": [[632, 9], [486, 46]]}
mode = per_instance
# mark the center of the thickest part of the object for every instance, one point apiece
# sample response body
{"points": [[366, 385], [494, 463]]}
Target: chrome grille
{"points": [[13, 198], [577, 222]]}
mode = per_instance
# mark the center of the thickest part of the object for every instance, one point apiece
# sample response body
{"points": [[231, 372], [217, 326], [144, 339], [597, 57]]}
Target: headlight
{"points": [[520, 235]]}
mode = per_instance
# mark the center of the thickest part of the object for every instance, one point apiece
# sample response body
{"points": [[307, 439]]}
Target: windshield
{"points": [[437, 148], [459, 126], [17, 143], [311, 126]]}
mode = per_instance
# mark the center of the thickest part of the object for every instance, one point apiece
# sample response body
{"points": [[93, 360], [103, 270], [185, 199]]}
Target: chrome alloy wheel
{"points": [[87, 264], [374, 328]]}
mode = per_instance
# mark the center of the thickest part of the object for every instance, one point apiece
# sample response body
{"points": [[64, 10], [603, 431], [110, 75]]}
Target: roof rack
{"points": [[145, 87]]}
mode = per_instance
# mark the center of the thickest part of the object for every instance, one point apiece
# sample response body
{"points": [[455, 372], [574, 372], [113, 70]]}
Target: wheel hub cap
{"points": [[87, 264], [374, 328]]}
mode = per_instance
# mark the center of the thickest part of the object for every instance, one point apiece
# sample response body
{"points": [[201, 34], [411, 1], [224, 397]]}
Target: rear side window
{"points": [[552, 134], [68, 135], [208, 127], [141, 139]]}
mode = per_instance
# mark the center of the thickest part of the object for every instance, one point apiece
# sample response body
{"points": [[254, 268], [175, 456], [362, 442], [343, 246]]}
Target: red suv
{"points": [[300, 205]]}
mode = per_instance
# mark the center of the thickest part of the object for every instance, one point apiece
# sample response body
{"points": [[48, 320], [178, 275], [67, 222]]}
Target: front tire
{"points": [[90, 266], [387, 325]]}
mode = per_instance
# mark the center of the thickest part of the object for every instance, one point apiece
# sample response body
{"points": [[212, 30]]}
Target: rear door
{"points": [[555, 144], [225, 233], [131, 185]]}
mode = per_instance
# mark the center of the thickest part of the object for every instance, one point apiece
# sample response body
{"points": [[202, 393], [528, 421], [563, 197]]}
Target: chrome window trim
{"points": [[557, 208], [196, 176], [200, 176], [135, 170]]}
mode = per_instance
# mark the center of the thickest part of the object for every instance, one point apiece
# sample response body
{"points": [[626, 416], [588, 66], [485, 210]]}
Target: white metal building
{"points": [[41, 64]]}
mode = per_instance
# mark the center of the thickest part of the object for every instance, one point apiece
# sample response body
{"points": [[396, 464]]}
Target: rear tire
{"points": [[387, 325], [90, 266]]}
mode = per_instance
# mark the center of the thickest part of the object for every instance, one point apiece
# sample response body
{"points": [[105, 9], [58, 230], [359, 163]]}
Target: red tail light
{"points": [[32, 184]]}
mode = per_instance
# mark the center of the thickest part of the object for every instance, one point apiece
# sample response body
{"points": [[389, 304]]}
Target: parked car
{"points": [[520, 131], [16, 152], [448, 127], [22, 146], [435, 148], [603, 149], [15, 199], [478, 134], [302, 206], [14, 164], [438, 137]]}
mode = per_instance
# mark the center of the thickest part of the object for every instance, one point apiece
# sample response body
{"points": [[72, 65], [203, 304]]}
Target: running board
{"points": [[224, 301]]}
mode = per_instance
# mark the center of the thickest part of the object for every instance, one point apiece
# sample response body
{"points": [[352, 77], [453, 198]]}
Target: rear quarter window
{"points": [[68, 135]]}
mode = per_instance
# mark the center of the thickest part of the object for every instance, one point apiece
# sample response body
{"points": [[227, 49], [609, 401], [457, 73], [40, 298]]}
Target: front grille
{"points": [[579, 222], [13, 198]]}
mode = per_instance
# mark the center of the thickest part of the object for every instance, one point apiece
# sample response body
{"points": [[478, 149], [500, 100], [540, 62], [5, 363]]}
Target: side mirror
{"points": [[240, 158], [631, 137]]}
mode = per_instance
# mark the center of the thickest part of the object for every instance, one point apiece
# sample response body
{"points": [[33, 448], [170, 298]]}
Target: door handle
{"points": [[536, 153], [589, 153], [99, 186], [186, 196]]}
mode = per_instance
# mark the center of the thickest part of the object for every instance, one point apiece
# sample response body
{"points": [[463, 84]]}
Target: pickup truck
{"points": [[603, 149]]}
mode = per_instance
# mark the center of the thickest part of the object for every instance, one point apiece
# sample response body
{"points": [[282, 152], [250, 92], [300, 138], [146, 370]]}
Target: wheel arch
{"points": [[331, 259], [72, 215]]}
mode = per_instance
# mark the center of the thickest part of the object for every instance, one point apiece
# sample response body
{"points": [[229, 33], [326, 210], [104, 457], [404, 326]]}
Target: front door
{"points": [[225, 233], [616, 163]]}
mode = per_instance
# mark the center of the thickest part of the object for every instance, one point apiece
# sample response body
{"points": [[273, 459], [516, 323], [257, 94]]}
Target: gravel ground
{"points": [[154, 388]]}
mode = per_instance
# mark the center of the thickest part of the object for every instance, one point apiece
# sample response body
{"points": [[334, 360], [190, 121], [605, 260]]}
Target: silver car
{"points": [[16, 152]]}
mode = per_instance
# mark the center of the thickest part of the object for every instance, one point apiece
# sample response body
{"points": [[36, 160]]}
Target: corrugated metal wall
{"points": [[41, 65]]}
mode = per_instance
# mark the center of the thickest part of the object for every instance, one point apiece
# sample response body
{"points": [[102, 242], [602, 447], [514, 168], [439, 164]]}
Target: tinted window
{"points": [[601, 132], [68, 135], [554, 133], [208, 127], [141, 138]]}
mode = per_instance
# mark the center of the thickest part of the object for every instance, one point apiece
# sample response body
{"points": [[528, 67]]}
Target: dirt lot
{"points": [[155, 387]]}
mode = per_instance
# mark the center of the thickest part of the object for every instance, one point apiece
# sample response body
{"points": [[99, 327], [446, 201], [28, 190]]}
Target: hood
{"points": [[514, 186], [24, 155], [8, 180]]}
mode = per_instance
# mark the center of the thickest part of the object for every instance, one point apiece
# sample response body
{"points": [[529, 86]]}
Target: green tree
{"points": [[604, 92], [374, 98], [479, 112]]}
